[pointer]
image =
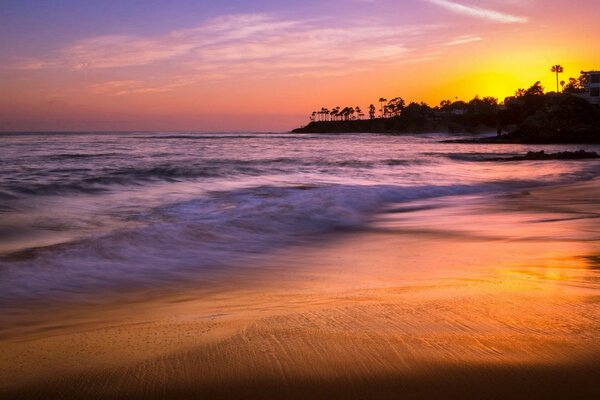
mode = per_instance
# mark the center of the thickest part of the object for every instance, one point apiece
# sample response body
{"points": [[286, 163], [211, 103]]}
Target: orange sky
{"points": [[263, 67]]}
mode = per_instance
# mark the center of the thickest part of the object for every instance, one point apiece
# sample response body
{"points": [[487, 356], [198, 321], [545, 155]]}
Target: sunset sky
{"points": [[265, 65]]}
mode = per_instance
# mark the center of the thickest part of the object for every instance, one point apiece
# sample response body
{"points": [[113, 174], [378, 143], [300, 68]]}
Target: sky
{"points": [[265, 65]]}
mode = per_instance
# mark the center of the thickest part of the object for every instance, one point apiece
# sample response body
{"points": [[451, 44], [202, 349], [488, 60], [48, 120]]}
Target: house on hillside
{"points": [[592, 86]]}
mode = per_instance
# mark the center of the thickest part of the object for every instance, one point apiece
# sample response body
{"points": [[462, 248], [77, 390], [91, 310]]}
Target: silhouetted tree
{"points": [[491, 101], [524, 104], [519, 93], [345, 113], [323, 112], [487, 105], [575, 85], [459, 105], [395, 106], [333, 114], [535, 90], [445, 105], [381, 101], [557, 69], [372, 111], [358, 111], [386, 110], [416, 113]]}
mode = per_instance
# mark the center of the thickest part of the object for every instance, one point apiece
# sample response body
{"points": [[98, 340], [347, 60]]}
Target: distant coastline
{"points": [[529, 117], [403, 125]]}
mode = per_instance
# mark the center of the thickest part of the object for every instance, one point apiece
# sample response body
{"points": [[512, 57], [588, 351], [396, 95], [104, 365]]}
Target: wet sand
{"points": [[451, 298]]}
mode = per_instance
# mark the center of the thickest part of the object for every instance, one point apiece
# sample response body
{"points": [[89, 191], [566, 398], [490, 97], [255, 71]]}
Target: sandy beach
{"points": [[492, 299]]}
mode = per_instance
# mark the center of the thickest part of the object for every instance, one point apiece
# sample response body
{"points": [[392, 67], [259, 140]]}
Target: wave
{"points": [[67, 156], [204, 238], [92, 179], [395, 162]]}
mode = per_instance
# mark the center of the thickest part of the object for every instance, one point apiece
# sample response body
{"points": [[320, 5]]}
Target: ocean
{"points": [[87, 215]]}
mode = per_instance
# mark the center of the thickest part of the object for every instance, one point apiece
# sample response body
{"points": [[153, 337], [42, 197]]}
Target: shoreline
{"points": [[439, 309]]}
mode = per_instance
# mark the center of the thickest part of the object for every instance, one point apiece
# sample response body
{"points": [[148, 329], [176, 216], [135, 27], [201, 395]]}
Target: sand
{"points": [[476, 299]]}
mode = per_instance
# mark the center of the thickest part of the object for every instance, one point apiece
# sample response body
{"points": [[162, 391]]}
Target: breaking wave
{"points": [[203, 237]]}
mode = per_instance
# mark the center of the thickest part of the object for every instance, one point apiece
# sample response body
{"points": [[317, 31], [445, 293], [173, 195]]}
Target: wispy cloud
{"points": [[243, 45], [32, 64], [464, 40], [239, 38], [125, 87], [477, 12]]}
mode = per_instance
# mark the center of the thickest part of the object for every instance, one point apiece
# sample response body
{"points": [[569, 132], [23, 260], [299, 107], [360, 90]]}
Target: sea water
{"points": [[86, 214]]}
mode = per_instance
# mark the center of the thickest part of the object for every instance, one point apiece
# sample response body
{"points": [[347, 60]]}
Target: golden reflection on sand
{"points": [[451, 302]]}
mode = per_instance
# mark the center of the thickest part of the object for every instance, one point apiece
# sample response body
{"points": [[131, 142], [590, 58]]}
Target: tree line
{"points": [[397, 105]]}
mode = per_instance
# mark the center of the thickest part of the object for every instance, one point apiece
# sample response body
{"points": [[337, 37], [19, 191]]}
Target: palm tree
{"points": [[557, 69], [396, 105], [322, 112], [381, 101], [347, 111], [333, 114], [372, 111]]}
